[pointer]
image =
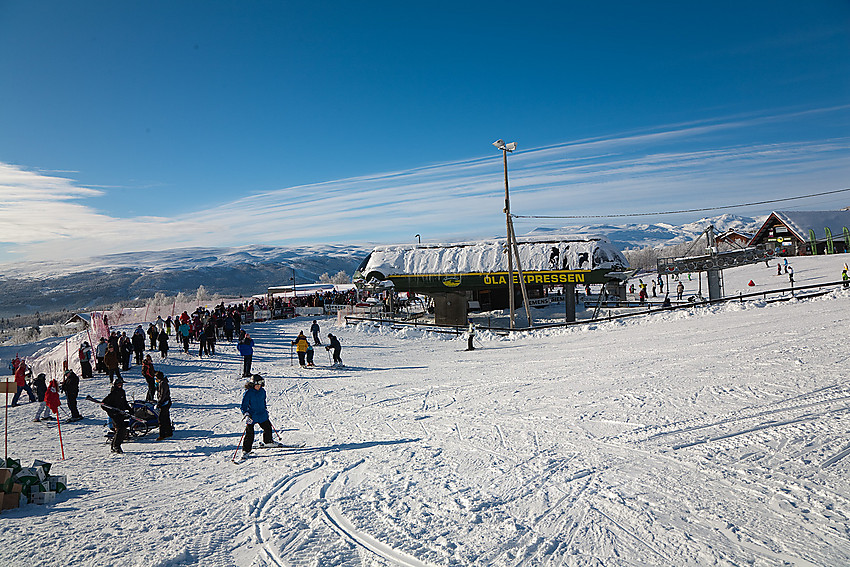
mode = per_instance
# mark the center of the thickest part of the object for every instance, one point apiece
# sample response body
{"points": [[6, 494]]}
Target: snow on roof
{"points": [[800, 222], [559, 253]]}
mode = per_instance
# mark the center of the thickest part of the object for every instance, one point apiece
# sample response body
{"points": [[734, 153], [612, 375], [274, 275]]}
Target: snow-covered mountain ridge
{"points": [[89, 283]]}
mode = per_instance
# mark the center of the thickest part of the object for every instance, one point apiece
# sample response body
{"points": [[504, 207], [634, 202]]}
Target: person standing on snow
{"points": [[680, 289], [112, 363], [246, 349], [149, 374], [139, 343], [183, 331], [309, 355], [336, 347], [71, 387], [254, 409], [116, 407], [21, 383], [470, 337], [163, 344], [85, 360], [40, 384], [163, 402], [100, 354], [314, 328], [301, 345]]}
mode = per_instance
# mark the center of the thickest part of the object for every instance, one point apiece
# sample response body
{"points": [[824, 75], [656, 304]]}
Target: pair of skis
{"points": [[239, 459]]}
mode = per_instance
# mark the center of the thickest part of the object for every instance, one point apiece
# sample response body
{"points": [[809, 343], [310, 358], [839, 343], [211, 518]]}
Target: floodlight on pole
{"points": [[500, 144]]}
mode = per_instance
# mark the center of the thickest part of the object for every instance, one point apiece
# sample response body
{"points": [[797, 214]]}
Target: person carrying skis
{"points": [[336, 347], [245, 346], [314, 328], [301, 345], [71, 387], [254, 409], [116, 407], [163, 402], [21, 382]]}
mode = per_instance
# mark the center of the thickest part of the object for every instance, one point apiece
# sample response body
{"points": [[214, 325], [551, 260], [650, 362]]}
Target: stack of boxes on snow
{"points": [[35, 484]]}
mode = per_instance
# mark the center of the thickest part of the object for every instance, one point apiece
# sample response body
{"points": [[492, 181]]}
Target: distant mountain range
{"points": [[101, 281]]}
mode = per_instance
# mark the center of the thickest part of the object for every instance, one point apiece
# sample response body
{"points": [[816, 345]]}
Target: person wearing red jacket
{"points": [[21, 382]]}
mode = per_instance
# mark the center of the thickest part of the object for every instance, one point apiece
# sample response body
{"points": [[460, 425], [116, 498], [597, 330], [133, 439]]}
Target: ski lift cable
{"points": [[619, 215]]}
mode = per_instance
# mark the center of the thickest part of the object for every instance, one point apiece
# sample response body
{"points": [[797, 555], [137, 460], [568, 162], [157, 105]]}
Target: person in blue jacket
{"points": [[246, 349], [254, 409]]}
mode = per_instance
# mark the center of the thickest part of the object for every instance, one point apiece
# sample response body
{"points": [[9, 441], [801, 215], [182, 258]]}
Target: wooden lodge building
{"points": [[799, 233]]}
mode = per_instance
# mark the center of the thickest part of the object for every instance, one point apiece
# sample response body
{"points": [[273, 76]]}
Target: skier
{"points": [[680, 289], [116, 407], [845, 278], [254, 409], [40, 384], [470, 337], [21, 372], [163, 402], [314, 328], [309, 355], [334, 344], [71, 387], [245, 346], [301, 345]]}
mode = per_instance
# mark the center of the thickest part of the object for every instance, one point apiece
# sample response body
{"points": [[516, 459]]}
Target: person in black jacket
{"points": [[71, 387], [336, 347], [163, 402], [138, 343], [40, 385], [116, 406]]}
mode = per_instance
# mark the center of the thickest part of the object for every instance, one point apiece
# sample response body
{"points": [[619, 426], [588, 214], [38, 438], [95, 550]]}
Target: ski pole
{"points": [[237, 447]]}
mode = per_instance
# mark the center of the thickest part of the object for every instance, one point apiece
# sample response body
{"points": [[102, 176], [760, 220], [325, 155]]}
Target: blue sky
{"points": [[151, 125]]}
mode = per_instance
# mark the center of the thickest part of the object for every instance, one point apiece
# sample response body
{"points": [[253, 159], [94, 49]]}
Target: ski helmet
{"points": [[257, 379]]}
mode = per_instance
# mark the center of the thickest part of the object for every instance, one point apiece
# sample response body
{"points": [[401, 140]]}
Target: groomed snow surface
{"points": [[707, 436]]}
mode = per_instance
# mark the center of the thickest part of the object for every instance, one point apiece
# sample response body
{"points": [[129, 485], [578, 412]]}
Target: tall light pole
{"points": [[500, 144]]}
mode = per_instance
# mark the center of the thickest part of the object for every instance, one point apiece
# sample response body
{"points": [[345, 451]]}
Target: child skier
{"points": [[254, 409]]}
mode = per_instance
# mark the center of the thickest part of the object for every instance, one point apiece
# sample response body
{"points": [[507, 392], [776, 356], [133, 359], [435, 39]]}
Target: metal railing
{"points": [[770, 296]]}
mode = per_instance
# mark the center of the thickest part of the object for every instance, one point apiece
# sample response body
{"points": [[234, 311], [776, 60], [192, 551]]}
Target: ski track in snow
{"points": [[710, 436]]}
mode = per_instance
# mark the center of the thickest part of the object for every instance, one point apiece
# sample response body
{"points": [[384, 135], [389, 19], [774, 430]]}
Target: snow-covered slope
{"points": [[708, 436]]}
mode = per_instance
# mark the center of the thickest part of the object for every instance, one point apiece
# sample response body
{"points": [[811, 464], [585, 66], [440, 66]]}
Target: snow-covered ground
{"points": [[710, 436]]}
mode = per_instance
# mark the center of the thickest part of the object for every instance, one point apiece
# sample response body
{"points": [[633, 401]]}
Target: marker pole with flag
{"points": [[51, 399]]}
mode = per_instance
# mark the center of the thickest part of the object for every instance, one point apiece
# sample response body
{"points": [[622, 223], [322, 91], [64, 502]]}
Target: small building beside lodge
{"points": [[454, 275], [798, 233]]}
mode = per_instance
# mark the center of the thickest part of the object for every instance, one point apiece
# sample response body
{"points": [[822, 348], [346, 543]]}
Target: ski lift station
{"points": [[454, 275]]}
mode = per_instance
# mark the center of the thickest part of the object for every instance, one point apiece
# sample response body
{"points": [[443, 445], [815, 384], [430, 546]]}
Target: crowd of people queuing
{"points": [[120, 351]]}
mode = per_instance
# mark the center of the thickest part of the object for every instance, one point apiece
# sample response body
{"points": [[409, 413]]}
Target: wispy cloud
{"points": [[680, 166]]}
